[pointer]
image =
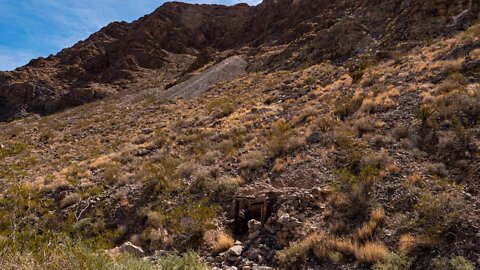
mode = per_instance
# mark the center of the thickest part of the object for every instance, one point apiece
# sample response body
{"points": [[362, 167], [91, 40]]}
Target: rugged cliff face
{"points": [[296, 31]]}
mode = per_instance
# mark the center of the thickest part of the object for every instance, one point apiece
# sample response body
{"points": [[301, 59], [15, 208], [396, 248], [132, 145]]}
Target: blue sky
{"points": [[34, 28]]}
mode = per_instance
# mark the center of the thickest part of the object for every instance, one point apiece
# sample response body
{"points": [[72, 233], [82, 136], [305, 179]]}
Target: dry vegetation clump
{"points": [[363, 126], [380, 103], [409, 243], [394, 262], [348, 105], [222, 242], [325, 247], [367, 230], [282, 139], [453, 66], [439, 213], [253, 160], [437, 169], [221, 107], [70, 200], [371, 252], [454, 263]]}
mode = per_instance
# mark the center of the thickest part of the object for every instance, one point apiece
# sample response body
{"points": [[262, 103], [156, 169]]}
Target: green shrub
{"points": [[424, 113], [282, 139], [222, 107], [192, 217], [394, 262], [187, 261], [454, 263], [161, 175], [439, 212], [63, 253], [460, 263], [347, 106], [12, 150]]}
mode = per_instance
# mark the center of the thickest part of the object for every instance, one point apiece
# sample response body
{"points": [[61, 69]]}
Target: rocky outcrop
{"points": [[312, 30]]}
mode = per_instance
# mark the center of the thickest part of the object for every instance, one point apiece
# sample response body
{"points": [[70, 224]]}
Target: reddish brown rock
{"points": [[313, 30]]}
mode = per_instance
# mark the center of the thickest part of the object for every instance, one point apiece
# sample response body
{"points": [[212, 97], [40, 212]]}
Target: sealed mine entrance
{"points": [[247, 208]]}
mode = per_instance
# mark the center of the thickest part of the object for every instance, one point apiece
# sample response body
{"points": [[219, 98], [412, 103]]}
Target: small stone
{"points": [[283, 218], [254, 235], [315, 137], [254, 225], [235, 250], [143, 152], [261, 268], [292, 223]]}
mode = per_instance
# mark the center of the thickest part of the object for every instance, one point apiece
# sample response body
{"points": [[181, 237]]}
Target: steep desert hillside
{"points": [[293, 135], [178, 38]]}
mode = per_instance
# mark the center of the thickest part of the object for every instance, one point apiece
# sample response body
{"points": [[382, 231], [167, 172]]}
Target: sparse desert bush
{"points": [[112, 173], [325, 123], [454, 263], [282, 140], [46, 136], [471, 33], [394, 262], [378, 141], [70, 255], [460, 107], [424, 113], [437, 169], [401, 131], [160, 175], [452, 66], [347, 106], [378, 160], [193, 217], [445, 87], [222, 107], [189, 260], [70, 200], [460, 263], [363, 126], [371, 252], [12, 149], [438, 213], [297, 252], [367, 230], [380, 103], [229, 183], [253, 160], [358, 69], [323, 247]]}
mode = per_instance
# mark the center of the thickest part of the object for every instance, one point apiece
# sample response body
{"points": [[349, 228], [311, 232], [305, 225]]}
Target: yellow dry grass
{"points": [[223, 242]]}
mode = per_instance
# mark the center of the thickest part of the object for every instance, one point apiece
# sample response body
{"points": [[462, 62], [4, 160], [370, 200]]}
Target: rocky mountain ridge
{"points": [[294, 32]]}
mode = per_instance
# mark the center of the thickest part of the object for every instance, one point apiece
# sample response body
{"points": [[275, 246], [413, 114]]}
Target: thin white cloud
{"points": [[11, 59], [58, 24]]}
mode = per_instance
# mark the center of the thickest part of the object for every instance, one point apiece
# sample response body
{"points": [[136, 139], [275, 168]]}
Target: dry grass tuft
{"points": [[371, 252], [452, 66], [222, 243], [410, 243], [367, 230]]}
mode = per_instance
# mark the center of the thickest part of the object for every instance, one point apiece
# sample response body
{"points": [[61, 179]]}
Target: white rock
{"points": [[131, 249], [235, 250]]}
